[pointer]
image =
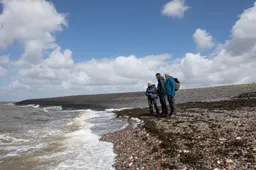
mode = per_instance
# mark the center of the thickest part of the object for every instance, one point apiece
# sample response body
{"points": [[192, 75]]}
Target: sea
{"points": [[50, 138]]}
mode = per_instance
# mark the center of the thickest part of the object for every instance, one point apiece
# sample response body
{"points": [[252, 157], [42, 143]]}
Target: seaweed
{"points": [[191, 158], [168, 139]]}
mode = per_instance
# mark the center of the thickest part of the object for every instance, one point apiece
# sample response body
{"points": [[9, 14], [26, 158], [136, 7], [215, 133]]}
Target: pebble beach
{"points": [[206, 134], [213, 129]]}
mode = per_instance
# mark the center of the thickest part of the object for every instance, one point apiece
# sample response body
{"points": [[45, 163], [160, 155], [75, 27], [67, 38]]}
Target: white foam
{"points": [[124, 126], [18, 150], [6, 139], [53, 108], [32, 105], [84, 150], [80, 121], [79, 110], [112, 110], [45, 110], [42, 133], [136, 120]]}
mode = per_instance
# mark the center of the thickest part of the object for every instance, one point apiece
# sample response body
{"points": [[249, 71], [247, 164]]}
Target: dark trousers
{"points": [[151, 103], [172, 104], [163, 104]]}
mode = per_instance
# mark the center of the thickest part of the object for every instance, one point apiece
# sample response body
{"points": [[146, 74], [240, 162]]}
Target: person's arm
{"points": [[147, 92], [172, 85], [151, 90]]}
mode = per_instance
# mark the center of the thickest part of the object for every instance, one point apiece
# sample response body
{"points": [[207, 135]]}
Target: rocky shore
{"points": [[137, 99], [203, 135], [214, 128]]}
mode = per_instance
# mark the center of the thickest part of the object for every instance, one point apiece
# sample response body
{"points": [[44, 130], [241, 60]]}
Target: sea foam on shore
{"points": [[52, 138]]}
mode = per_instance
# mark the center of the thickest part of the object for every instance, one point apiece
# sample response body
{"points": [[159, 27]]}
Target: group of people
{"points": [[165, 88]]}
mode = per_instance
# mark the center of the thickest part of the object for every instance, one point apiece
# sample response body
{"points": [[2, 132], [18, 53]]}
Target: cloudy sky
{"points": [[56, 48]]}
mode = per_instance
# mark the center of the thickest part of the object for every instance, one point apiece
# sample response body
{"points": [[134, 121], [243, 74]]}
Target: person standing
{"points": [[161, 91], [151, 92], [170, 92]]}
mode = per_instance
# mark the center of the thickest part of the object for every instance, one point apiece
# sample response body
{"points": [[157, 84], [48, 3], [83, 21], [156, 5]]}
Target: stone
{"points": [[222, 139], [238, 138], [254, 150], [185, 151], [229, 161]]}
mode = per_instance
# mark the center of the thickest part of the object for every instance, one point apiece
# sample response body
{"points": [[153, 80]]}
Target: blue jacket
{"points": [[151, 92], [170, 86]]}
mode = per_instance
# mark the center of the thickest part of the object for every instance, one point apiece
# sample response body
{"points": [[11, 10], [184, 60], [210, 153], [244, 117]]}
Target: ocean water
{"points": [[54, 139]]}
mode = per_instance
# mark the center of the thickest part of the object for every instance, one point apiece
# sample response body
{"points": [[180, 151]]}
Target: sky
{"points": [[59, 48]]}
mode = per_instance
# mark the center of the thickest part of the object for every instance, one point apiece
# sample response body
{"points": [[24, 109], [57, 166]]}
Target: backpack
{"points": [[177, 84]]}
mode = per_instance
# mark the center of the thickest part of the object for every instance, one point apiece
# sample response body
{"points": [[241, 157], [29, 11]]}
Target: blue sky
{"points": [[100, 29], [111, 28], [106, 30]]}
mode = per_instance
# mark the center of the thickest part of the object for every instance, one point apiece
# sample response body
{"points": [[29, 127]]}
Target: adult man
{"points": [[161, 93], [170, 92], [151, 92]]}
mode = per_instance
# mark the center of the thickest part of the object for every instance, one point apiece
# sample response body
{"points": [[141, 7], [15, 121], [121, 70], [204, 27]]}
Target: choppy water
{"points": [[55, 139]]}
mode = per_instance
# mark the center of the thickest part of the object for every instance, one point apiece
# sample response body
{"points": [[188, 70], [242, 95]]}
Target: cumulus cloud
{"points": [[120, 71], [175, 8], [4, 59], [232, 62], [59, 60], [203, 39], [32, 23], [2, 72]]}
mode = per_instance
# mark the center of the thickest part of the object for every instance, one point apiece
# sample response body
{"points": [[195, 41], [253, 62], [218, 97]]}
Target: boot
{"points": [[164, 113], [169, 115], [157, 112], [151, 111]]}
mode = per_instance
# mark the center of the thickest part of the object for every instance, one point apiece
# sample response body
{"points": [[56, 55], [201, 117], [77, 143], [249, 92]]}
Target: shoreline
{"points": [[204, 135], [137, 99]]}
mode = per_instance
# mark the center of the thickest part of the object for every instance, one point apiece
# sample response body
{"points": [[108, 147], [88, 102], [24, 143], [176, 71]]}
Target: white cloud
{"points": [[175, 8], [233, 62], [4, 59], [203, 39], [118, 71], [245, 26], [31, 23], [2, 72], [57, 74], [58, 60]]}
